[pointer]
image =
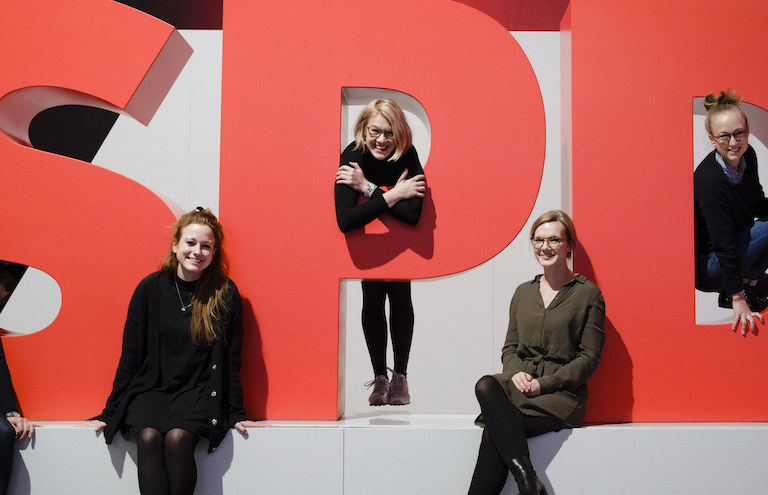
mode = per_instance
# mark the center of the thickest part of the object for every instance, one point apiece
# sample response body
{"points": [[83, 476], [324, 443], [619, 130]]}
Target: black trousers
{"points": [[7, 441]]}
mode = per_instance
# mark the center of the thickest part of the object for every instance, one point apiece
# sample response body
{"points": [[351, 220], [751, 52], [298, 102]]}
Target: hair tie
{"points": [[199, 209]]}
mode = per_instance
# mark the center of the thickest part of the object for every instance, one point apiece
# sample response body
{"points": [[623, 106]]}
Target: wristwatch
{"points": [[369, 189]]}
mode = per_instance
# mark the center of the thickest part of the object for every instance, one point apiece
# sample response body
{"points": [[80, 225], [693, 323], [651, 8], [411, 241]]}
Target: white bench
{"points": [[391, 451]]}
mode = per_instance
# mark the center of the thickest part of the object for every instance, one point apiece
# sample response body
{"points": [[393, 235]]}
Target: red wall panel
{"points": [[285, 65], [634, 73]]}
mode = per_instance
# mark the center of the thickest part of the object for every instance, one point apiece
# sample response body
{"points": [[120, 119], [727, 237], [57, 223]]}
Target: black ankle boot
{"points": [[541, 487], [527, 482], [724, 300], [755, 301]]}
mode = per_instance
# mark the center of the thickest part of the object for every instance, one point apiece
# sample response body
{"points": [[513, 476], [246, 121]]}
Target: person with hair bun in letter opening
{"points": [[731, 215]]}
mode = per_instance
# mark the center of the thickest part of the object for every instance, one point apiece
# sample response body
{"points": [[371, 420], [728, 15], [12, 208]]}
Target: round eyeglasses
{"points": [[738, 135], [553, 242], [375, 132]]}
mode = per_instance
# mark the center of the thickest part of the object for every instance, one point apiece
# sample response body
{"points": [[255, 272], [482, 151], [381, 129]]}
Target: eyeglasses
{"points": [[375, 132], [554, 242], [738, 135]]}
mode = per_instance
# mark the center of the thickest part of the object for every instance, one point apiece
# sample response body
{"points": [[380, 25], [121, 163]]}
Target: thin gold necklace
{"points": [[184, 307]]}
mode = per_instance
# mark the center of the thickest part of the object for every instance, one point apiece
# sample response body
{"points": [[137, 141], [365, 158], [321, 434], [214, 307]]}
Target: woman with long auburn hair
{"points": [[177, 380]]}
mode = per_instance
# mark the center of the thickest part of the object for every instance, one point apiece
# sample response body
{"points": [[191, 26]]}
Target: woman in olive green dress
{"points": [[553, 345]]}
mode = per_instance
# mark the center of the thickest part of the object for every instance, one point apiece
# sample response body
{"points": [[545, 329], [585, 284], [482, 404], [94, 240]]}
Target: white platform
{"points": [[391, 451]]}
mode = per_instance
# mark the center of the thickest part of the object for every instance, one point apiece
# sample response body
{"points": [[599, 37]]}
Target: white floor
{"points": [[389, 451]]}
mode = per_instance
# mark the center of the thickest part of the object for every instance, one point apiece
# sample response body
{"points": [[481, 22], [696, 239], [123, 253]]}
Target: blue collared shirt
{"points": [[733, 177]]}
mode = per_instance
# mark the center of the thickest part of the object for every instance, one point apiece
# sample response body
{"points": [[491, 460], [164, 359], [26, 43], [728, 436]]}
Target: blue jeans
{"points": [[753, 258]]}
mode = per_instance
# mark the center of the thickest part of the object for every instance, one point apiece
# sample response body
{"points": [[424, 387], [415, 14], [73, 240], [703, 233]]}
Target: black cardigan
{"points": [[722, 209], [138, 369]]}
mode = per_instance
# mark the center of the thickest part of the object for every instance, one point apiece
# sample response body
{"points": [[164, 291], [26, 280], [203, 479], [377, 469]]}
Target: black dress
{"points": [[179, 400], [163, 379]]}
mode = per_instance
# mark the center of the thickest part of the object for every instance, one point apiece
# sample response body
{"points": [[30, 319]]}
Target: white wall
{"points": [[177, 154], [411, 455]]}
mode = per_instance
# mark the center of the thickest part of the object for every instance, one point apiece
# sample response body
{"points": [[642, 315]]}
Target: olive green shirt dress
{"points": [[559, 345]]}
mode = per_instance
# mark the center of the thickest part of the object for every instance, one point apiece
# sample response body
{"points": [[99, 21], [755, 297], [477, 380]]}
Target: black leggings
{"points": [[7, 440], [504, 437], [375, 323]]}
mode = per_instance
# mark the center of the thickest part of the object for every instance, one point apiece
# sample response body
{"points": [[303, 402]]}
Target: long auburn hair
{"points": [[210, 302]]}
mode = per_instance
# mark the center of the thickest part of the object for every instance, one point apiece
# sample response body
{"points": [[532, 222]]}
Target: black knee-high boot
{"points": [[506, 427]]}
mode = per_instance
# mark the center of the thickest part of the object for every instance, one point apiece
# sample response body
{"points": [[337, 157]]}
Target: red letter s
{"points": [[95, 232]]}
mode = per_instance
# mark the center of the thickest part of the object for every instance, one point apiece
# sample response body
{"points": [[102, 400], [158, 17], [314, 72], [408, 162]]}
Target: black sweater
{"points": [[722, 209], [350, 215]]}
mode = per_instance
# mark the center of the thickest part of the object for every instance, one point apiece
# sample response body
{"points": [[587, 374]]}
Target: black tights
{"points": [[166, 462], [375, 323], [504, 437]]}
